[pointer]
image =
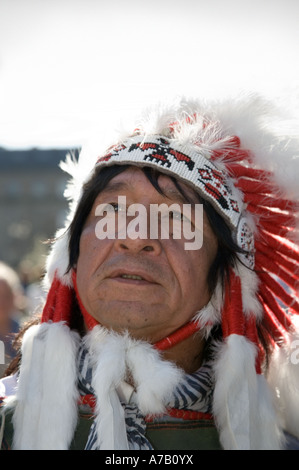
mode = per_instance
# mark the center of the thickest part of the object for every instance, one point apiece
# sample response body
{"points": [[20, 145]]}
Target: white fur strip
{"points": [[249, 286], [239, 401], [210, 314], [27, 408], [155, 379], [283, 377], [267, 430], [109, 369], [47, 383], [58, 260], [114, 357]]}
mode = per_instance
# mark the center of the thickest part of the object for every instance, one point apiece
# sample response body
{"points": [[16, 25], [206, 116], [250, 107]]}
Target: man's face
{"points": [[174, 280]]}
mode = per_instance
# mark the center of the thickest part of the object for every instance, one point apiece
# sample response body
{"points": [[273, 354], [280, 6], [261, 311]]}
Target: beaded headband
{"points": [[190, 165]]}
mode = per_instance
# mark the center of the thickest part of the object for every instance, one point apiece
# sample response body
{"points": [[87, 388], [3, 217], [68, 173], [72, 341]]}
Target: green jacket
{"points": [[168, 435]]}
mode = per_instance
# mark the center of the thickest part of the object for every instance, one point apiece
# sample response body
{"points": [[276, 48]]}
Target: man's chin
{"points": [[138, 324]]}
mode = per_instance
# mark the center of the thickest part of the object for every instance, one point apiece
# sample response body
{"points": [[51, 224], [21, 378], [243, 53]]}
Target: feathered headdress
{"points": [[232, 153]]}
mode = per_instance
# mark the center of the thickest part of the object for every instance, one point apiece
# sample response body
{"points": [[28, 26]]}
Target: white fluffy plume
{"points": [[115, 358], [283, 376], [244, 413], [45, 414]]}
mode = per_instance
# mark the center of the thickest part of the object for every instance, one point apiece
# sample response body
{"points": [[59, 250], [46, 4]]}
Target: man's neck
{"points": [[188, 354]]}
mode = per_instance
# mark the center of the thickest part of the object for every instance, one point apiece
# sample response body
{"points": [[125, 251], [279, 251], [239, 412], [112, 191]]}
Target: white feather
{"points": [[57, 423], [283, 376], [108, 360], [240, 407], [249, 287], [27, 390], [114, 357], [46, 400], [155, 378], [210, 314], [58, 260]]}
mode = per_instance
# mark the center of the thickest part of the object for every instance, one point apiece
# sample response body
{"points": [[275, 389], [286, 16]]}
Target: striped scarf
{"points": [[193, 393]]}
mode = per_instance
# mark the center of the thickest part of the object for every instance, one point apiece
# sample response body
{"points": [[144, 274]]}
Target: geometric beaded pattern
{"points": [[245, 240], [190, 165]]}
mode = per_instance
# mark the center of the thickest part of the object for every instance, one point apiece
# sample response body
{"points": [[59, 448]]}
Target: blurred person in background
{"points": [[31, 274], [11, 303]]}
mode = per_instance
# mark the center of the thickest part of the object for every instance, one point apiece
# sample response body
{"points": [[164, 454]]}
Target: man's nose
{"points": [[137, 238]]}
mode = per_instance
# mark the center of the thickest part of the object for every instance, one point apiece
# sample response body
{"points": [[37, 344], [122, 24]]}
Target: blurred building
{"points": [[32, 205]]}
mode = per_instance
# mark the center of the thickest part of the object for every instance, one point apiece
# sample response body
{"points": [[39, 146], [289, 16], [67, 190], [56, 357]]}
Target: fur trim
{"points": [[155, 378], [107, 352], [249, 286], [114, 356], [45, 415], [283, 376], [210, 315], [240, 403], [58, 260], [267, 429]]}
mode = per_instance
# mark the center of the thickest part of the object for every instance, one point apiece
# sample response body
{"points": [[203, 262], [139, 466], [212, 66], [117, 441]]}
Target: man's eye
{"points": [[109, 209], [177, 215], [118, 207]]}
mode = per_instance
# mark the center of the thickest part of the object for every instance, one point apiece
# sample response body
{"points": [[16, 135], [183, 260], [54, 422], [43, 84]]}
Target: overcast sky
{"points": [[68, 64]]}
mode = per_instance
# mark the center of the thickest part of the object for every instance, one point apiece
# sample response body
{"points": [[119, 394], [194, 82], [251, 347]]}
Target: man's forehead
{"points": [[127, 181]]}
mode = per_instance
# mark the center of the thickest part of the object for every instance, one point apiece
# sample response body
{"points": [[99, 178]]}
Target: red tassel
{"points": [[49, 307], [278, 218], [279, 291], [64, 304], [59, 303], [265, 201], [237, 171], [278, 311], [264, 263], [232, 315], [254, 186], [275, 229], [285, 247], [235, 322], [252, 335], [273, 327], [284, 262]]}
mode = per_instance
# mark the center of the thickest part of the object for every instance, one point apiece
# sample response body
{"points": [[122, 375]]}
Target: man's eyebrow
{"points": [[116, 186], [175, 194], [171, 193]]}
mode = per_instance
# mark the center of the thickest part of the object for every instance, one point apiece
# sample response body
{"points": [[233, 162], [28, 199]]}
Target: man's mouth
{"points": [[138, 277], [132, 276]]}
